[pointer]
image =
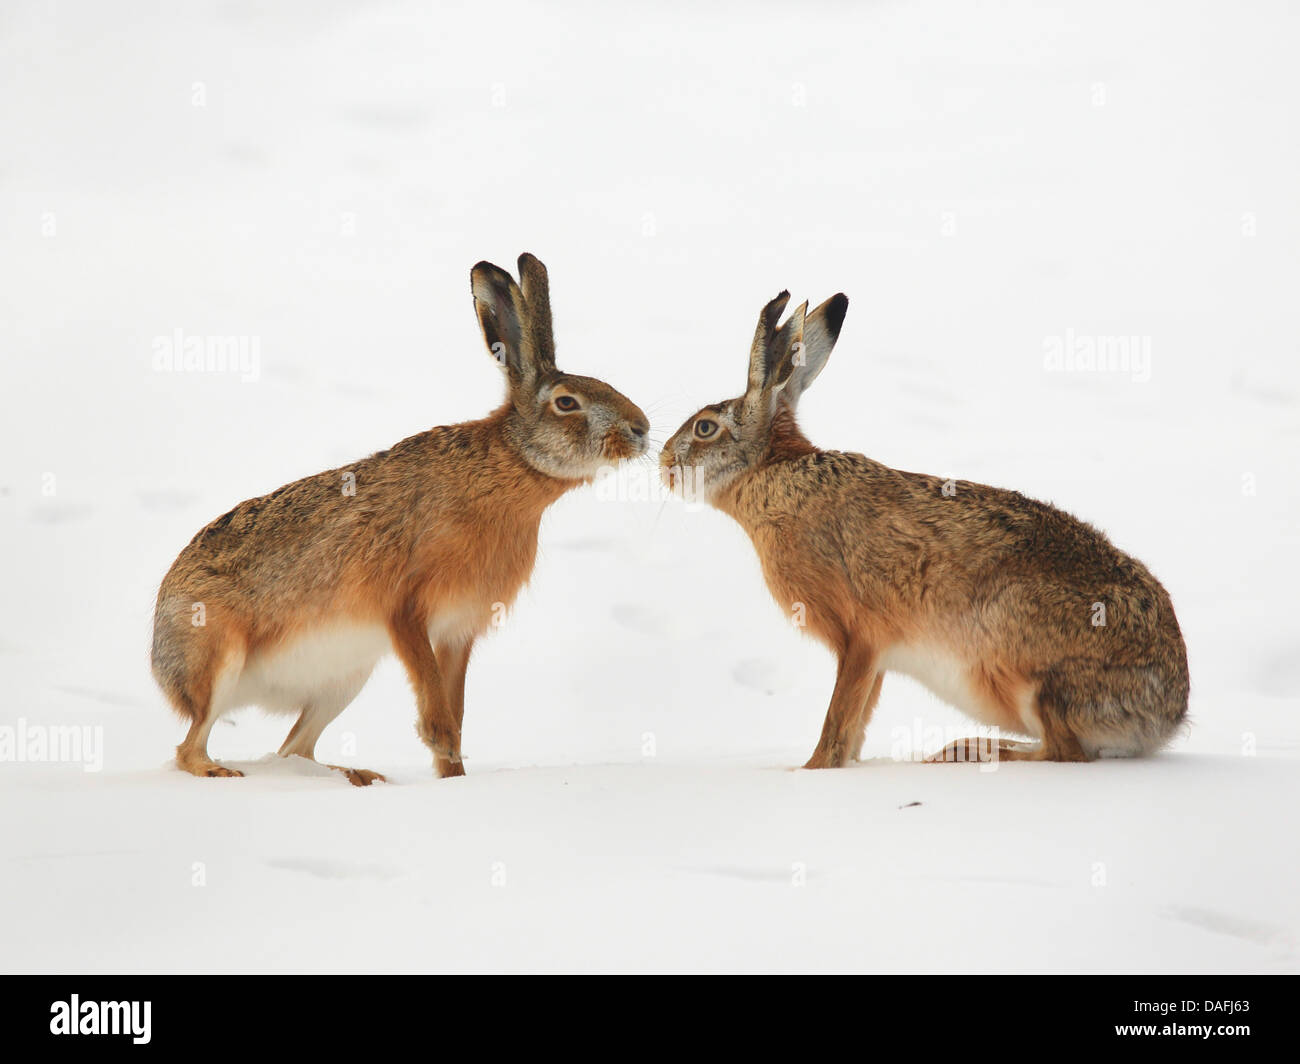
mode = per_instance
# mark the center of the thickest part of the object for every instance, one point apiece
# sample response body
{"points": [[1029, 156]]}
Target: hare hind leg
{"points": [[203, 694], [1040, 709], [1058, 743], [1110, 710], [981, 750], [316, 716], [1067, 697], [192, 754]]}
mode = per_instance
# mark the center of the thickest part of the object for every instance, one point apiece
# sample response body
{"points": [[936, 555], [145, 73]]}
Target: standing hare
{"points": [[290, 599], [1022, 616]]}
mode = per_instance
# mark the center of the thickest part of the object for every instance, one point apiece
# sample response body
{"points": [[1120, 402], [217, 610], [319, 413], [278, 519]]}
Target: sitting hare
{"points": [[1022, 616], [290, 599]]}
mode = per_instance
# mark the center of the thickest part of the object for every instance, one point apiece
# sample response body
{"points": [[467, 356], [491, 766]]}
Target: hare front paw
{"points": [[834, 756], [447, 767]]}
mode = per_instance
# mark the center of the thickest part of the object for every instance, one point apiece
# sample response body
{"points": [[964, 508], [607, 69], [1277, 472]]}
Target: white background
{"points": [[979, 179]]}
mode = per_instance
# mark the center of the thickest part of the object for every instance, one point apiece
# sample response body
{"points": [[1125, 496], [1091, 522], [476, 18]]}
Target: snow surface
{"points": [[982, 180]]}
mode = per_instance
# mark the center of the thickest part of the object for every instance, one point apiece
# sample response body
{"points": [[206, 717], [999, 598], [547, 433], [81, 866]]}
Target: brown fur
{"points": [[889, 566], [436, 540]]}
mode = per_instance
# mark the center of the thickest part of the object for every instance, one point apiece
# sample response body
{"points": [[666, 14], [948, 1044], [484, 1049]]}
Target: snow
{"points": [[988, 185]]}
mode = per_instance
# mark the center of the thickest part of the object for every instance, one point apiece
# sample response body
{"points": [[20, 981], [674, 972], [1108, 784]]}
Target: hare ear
{"points": [[537, 299], [807, 356], [787, 350], [761, 360], [503, 317]]}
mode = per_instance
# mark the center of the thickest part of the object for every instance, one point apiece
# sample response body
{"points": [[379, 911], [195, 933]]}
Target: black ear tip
{"points": [[528, 259], [772, 311], [836, 307], [488, 277], [485, 273]]}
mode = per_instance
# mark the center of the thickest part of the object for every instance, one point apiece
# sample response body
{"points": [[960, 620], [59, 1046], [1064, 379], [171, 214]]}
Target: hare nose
{"points": [[637, 430]]}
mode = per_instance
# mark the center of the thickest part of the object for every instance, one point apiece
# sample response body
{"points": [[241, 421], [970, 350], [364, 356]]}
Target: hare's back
{"points": [[982, 524], [317, 523]]}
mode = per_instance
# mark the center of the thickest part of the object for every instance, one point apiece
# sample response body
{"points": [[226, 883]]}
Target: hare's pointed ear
{"points": [[761, 361], [806, 357], [537, 299], [787, 345], [503, 317]]}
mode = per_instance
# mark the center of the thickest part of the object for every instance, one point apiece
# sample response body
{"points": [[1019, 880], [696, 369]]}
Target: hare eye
{"points": [[704, 428], [566, 403]]}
